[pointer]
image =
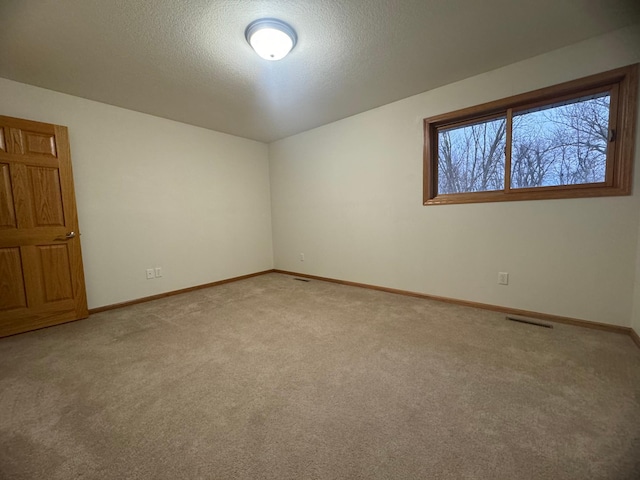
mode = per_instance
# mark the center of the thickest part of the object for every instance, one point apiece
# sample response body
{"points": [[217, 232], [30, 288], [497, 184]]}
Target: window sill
{"points": [[549, 193]]}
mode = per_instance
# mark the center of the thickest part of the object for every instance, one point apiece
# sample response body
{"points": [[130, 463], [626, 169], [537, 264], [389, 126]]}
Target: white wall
{"points": [[635, 318], [349, 196], [153, 192]]}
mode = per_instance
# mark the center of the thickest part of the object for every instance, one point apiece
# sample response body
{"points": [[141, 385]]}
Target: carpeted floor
{"points": [[272, 378]]}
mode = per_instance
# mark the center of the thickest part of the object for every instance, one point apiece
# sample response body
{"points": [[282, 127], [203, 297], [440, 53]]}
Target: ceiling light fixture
{"points": [[272, 39]]}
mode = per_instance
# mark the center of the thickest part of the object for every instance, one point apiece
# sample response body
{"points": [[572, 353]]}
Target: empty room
{"points": [[319, 239]]}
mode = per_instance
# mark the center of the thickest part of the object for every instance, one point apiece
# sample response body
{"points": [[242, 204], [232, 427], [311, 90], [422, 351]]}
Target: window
{"points": [[570, 140]]}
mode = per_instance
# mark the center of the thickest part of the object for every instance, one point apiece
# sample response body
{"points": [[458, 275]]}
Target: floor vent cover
{"points": [[302, 279], [529, 321]]}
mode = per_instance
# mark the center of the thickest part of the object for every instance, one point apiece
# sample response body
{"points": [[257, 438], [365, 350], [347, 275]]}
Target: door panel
{"points": [[46, 196], [55, 273], [15, 144], [12, 294], [39, 144], [7, 211], [41, 273]]}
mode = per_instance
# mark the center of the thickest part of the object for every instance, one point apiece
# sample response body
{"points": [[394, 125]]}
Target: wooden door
{"points": [[41, 275]]}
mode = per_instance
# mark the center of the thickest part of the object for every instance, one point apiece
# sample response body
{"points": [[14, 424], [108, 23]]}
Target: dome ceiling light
{"points": [[272, 39]]}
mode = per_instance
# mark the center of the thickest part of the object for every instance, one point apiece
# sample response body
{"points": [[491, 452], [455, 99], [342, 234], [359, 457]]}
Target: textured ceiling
{"points": [[187, 60]]}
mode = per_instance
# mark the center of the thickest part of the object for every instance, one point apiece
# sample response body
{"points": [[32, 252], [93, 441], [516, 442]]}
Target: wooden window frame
{"points": [[622, 83]]}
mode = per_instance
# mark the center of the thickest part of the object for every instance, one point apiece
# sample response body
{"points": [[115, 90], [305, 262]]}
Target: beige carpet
{"points": [[272, 378]]}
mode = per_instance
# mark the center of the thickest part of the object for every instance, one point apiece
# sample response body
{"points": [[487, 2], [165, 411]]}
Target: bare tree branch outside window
{"points": [[561, 144], [471, 158]]}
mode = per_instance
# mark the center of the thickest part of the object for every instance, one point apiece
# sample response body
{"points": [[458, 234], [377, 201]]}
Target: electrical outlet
{"points": [[302, 257], [503, 278], [158, 272], [150, 273]]}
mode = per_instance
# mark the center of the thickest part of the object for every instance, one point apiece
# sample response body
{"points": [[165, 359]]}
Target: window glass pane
{"points": [[561, 144], [471, 158]]}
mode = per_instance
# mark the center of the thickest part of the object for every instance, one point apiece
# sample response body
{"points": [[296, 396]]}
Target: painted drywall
{"points": [[635, 318], [153, 192], [349, 196]]}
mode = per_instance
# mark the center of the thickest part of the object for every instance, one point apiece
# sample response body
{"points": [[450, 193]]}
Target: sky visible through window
{"points": [[559, 144]]}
